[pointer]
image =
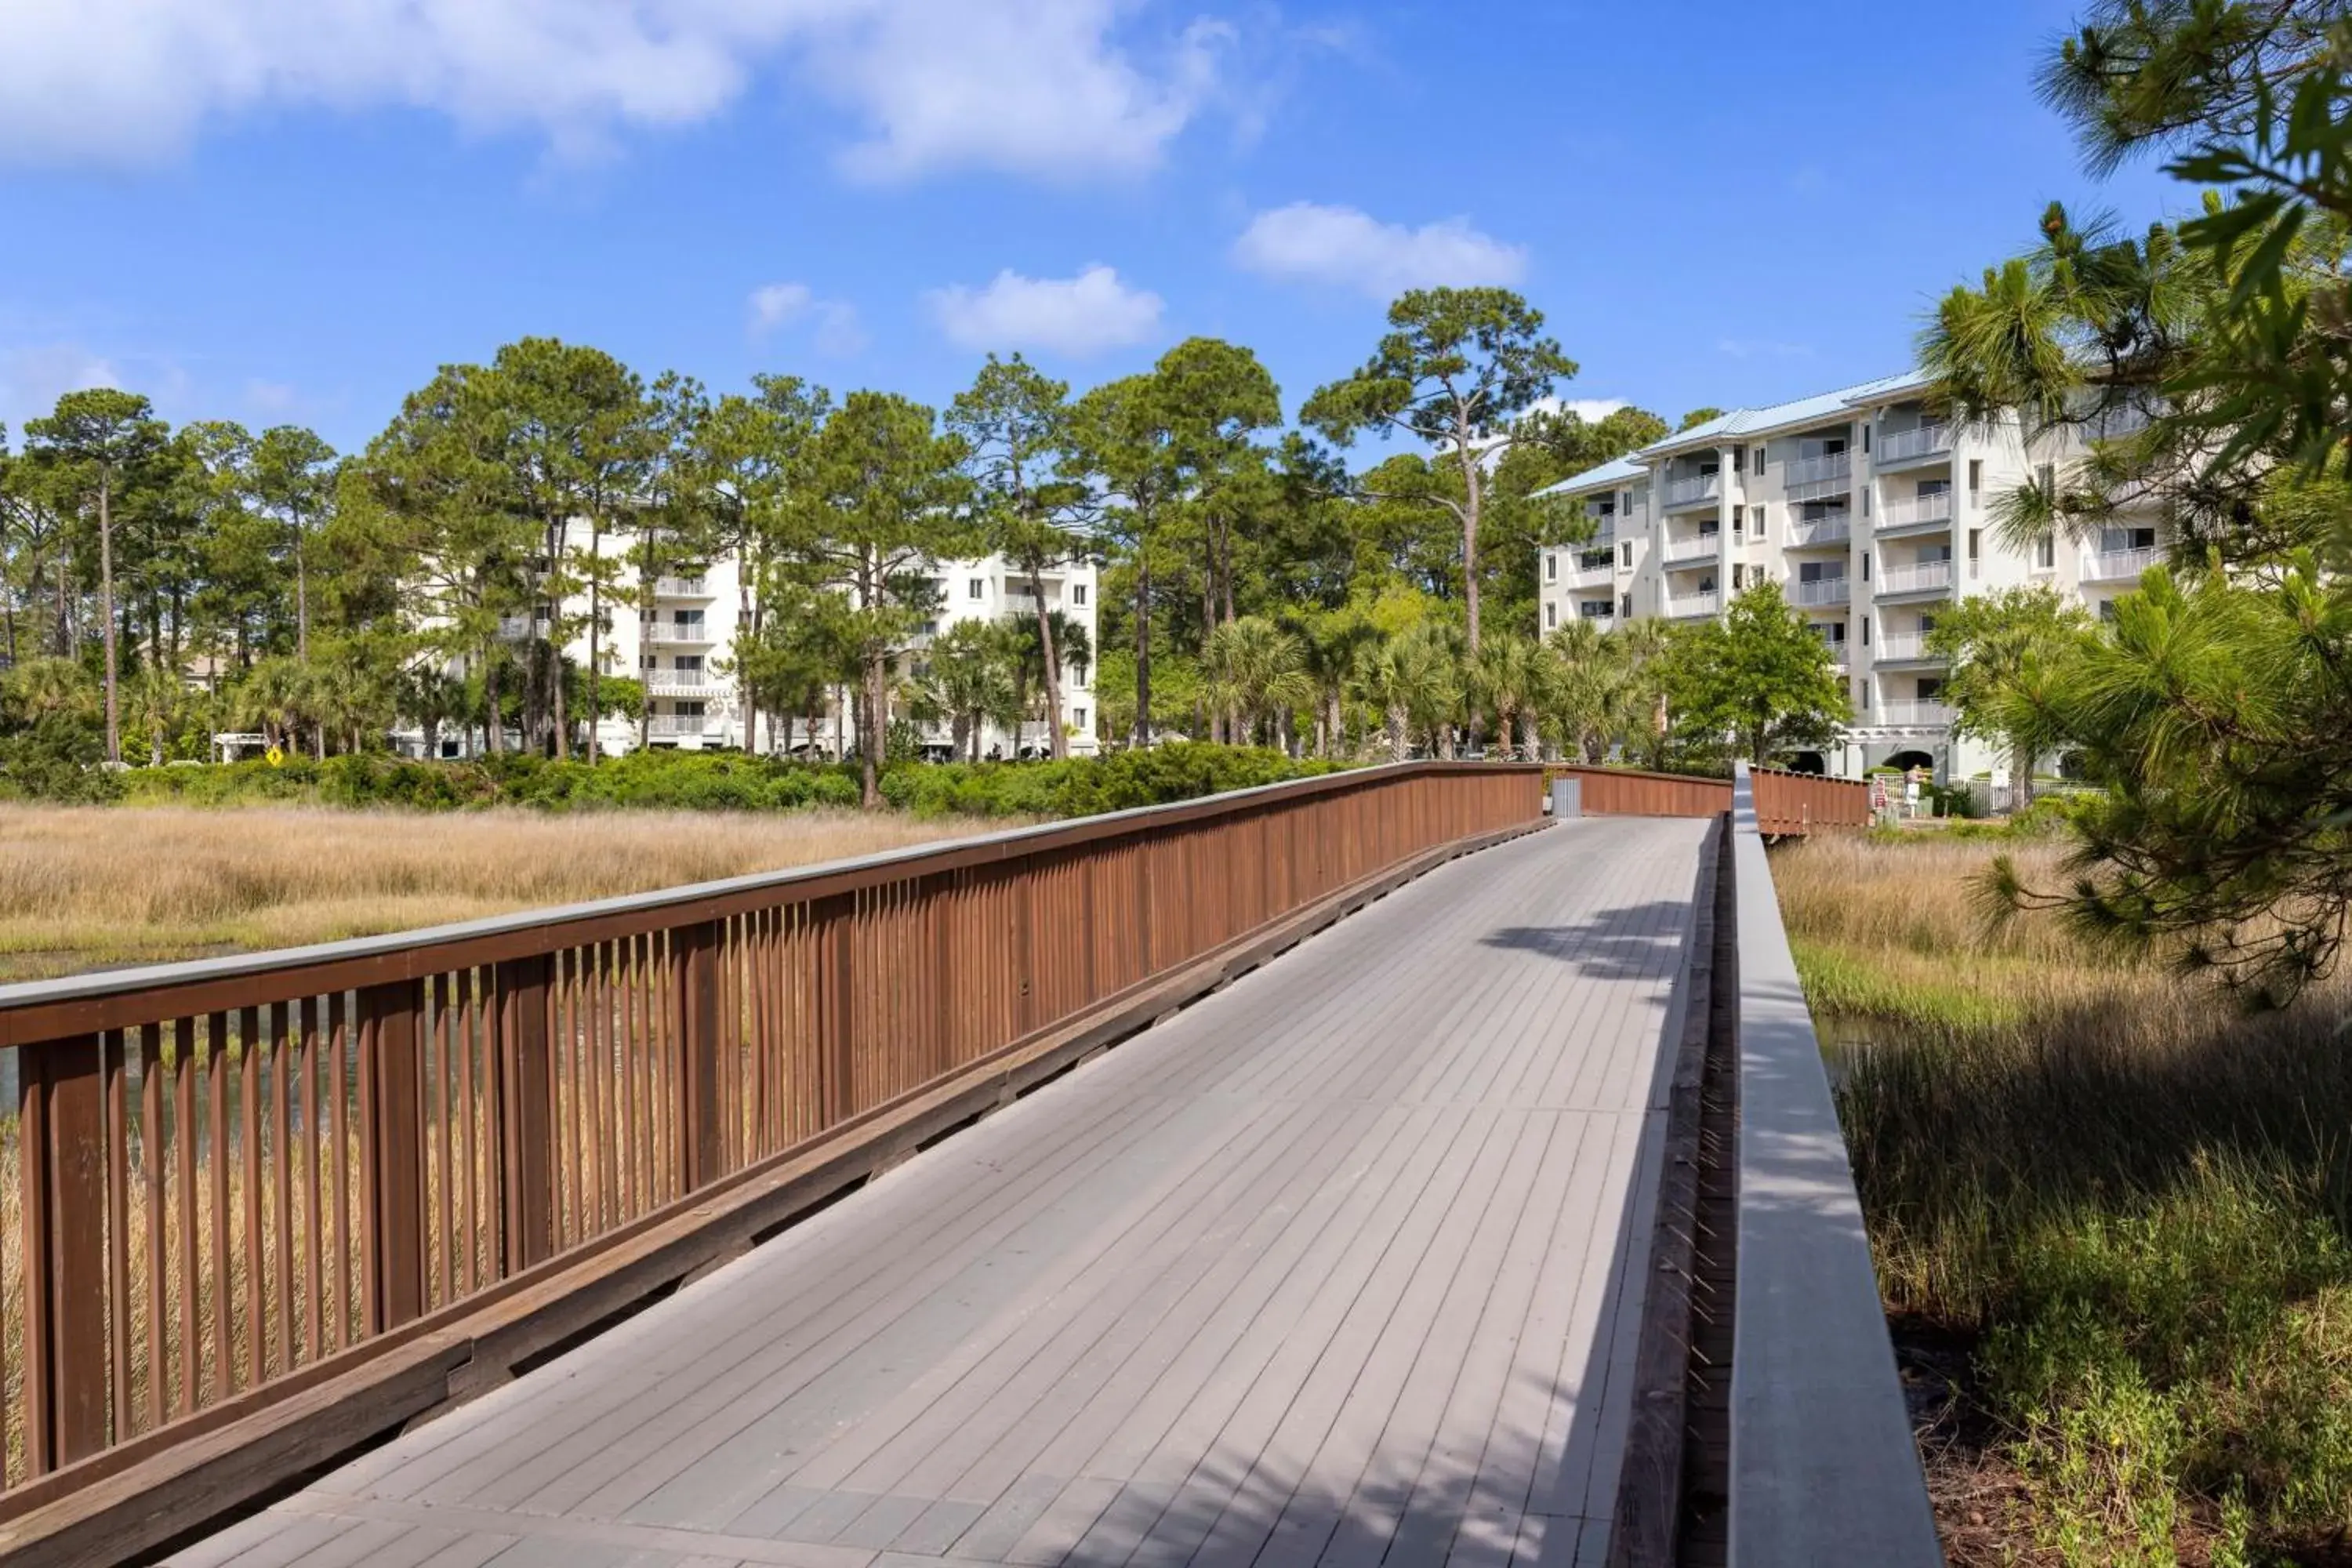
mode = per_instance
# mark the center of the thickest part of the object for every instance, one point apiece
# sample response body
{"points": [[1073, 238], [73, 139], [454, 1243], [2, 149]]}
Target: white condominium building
{"points": [[1871, 513], [680, 653]]}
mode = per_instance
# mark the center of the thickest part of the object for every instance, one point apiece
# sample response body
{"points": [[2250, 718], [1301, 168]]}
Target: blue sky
{"points": [[258, 210]]}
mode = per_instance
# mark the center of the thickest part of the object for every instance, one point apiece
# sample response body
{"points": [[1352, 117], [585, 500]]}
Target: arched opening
{"points": [[1906, 760], [1808, 762]]}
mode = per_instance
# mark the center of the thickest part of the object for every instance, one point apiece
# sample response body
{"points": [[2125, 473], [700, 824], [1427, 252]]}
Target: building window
{"points": [[1079, 716], [1739, 520], [1866, 568], [1551, 615], [1739, 460], [975, 588], [1866, 619], [1625, 606], [2045, 551], [1758, 521], [1976, 475], [1759, 462], [1625, 553], [1551, 567], [1077, 595], [1865, 500], [1976, 545], [2048, 479], [1866, 437]]}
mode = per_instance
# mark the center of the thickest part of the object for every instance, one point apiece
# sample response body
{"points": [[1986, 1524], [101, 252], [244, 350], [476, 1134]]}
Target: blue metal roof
{"points": [[1779, 415], [1616, 471]]}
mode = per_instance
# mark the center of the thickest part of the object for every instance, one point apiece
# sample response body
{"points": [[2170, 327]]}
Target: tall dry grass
{"points": [[85, 887], [2130, 1198]]}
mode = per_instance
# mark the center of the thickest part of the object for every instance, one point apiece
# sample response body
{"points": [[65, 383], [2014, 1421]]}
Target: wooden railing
{"points": [[230, 1180], [1786, 804]]}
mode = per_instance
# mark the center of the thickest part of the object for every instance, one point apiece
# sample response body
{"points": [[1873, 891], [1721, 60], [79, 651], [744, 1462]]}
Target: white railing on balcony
{"points": [[1693, 603], [682, 587], [1706, 547], [1582, 575], [679, 634], [1685, 492], [1915, 579], [1902, 644], [2118, 565], [515, 629], [1905, 510], [675, 724], [1901, 445], [669, 680], [1821, 591], [1911, 712], [1838, 659], [1021, 603], [1602, 618], [1815, 471], [1828, 529]]}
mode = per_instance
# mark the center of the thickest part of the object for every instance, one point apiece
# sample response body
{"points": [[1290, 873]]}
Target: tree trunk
{"points": [[871, 726], [1471, 487], [106, 580], [1060, 742], [747, 635], [1142, 647], [1399, 733], [595, 624], [302, 600], [494, 727]]}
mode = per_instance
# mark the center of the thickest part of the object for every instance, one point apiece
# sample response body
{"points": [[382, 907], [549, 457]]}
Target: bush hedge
{"points": [[725, 780]]}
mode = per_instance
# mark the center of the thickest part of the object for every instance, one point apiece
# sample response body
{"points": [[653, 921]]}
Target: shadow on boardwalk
{"points": [[1627, 943]]}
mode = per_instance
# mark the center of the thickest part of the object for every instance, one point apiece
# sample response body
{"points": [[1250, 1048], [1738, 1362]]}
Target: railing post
{"points": [[391, 1154], [61, 1157], [695, 950], [836, 980], [525, 1110]]}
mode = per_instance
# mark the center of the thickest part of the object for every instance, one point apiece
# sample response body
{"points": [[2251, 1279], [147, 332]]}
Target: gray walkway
{"points": [[1340, 1266]]}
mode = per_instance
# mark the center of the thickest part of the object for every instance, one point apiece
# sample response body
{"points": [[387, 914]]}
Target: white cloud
{"points": [[33, 377], [1073, 316], [839, 333], [1345, 249], [1591, 410], [1027, 86]]}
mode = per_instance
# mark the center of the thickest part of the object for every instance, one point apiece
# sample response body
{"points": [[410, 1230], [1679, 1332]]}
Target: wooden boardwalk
{"points": [[1342, 1265]]}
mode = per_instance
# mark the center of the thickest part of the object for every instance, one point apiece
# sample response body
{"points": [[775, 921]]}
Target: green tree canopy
{"points": [[1757, 684]]}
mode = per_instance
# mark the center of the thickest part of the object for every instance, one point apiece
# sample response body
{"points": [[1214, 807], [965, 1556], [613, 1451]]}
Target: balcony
{"points": [[1834, 527], [1911, 445], [672, 726], [1602, 619], [1817, 471], [1907, 713], [1706, 547], [682, 588], [1693, 492], [677, 634], [1682, 605], [1926, 577], [1838, 659], [1909, 511], [1902, 647], [1821, 591], [2118, 565], [1590, 571], [678, 682], [519, 629]]}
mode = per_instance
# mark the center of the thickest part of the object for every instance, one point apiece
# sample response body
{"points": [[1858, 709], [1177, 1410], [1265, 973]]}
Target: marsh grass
{"points": [[2129, 1199], [82, 887]]}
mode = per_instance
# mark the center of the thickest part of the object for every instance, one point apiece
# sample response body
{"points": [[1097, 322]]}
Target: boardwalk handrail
{"points": [[232, 1181], [1823, 1465], [1785, 803]]}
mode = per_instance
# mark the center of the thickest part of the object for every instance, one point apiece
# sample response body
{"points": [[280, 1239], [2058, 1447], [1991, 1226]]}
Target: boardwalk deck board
{"points": [[1339, 1266]]}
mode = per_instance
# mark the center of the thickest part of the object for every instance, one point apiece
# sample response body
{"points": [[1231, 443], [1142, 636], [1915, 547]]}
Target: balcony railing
{"points": [[673, 634], [677, 725], [1706, 547], [1814, 470], [1910, 712], [1904, 511], [661, 682], [1583, 575], [1706, 604], [1838, 659], [2118, 565], [1828, 530], [1915, 579], [1901, 445], [1689, 493], [1902, 644], [682, 587], [1821, 591]]}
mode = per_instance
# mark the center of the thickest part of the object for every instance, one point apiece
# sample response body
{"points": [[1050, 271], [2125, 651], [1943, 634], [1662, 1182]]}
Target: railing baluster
{"points": [[392, 1154], [62, 1159]]}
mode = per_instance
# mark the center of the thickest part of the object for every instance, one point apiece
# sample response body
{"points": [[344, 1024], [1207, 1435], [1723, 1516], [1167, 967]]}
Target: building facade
{"points": [[683, 651], [1872, 514]]}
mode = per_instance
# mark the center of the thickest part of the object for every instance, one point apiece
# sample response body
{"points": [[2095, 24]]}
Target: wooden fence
{"points": [[1786, 804], [235, 1179]]}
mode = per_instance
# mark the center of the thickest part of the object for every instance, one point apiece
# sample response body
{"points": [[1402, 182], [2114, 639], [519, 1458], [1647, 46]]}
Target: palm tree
{"points": [[1507, 675], [1073, 652], [158, 700], [971, 680], [42, 688], [1257, 672], [1334, 640], [1410, 678], [275, 694]]}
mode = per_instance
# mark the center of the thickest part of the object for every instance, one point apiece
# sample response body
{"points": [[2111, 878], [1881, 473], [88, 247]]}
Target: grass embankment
{"points": [[2114, 1207], [82, 886]]}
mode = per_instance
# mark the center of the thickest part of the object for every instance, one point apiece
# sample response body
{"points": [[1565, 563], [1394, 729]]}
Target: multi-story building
{"points": [[684, 649], [1873, 515]]}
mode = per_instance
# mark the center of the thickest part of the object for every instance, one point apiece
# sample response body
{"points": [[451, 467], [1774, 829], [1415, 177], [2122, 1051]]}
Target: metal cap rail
{"points": [[1787, 803], [1823, 1465], [230, 1180]]}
